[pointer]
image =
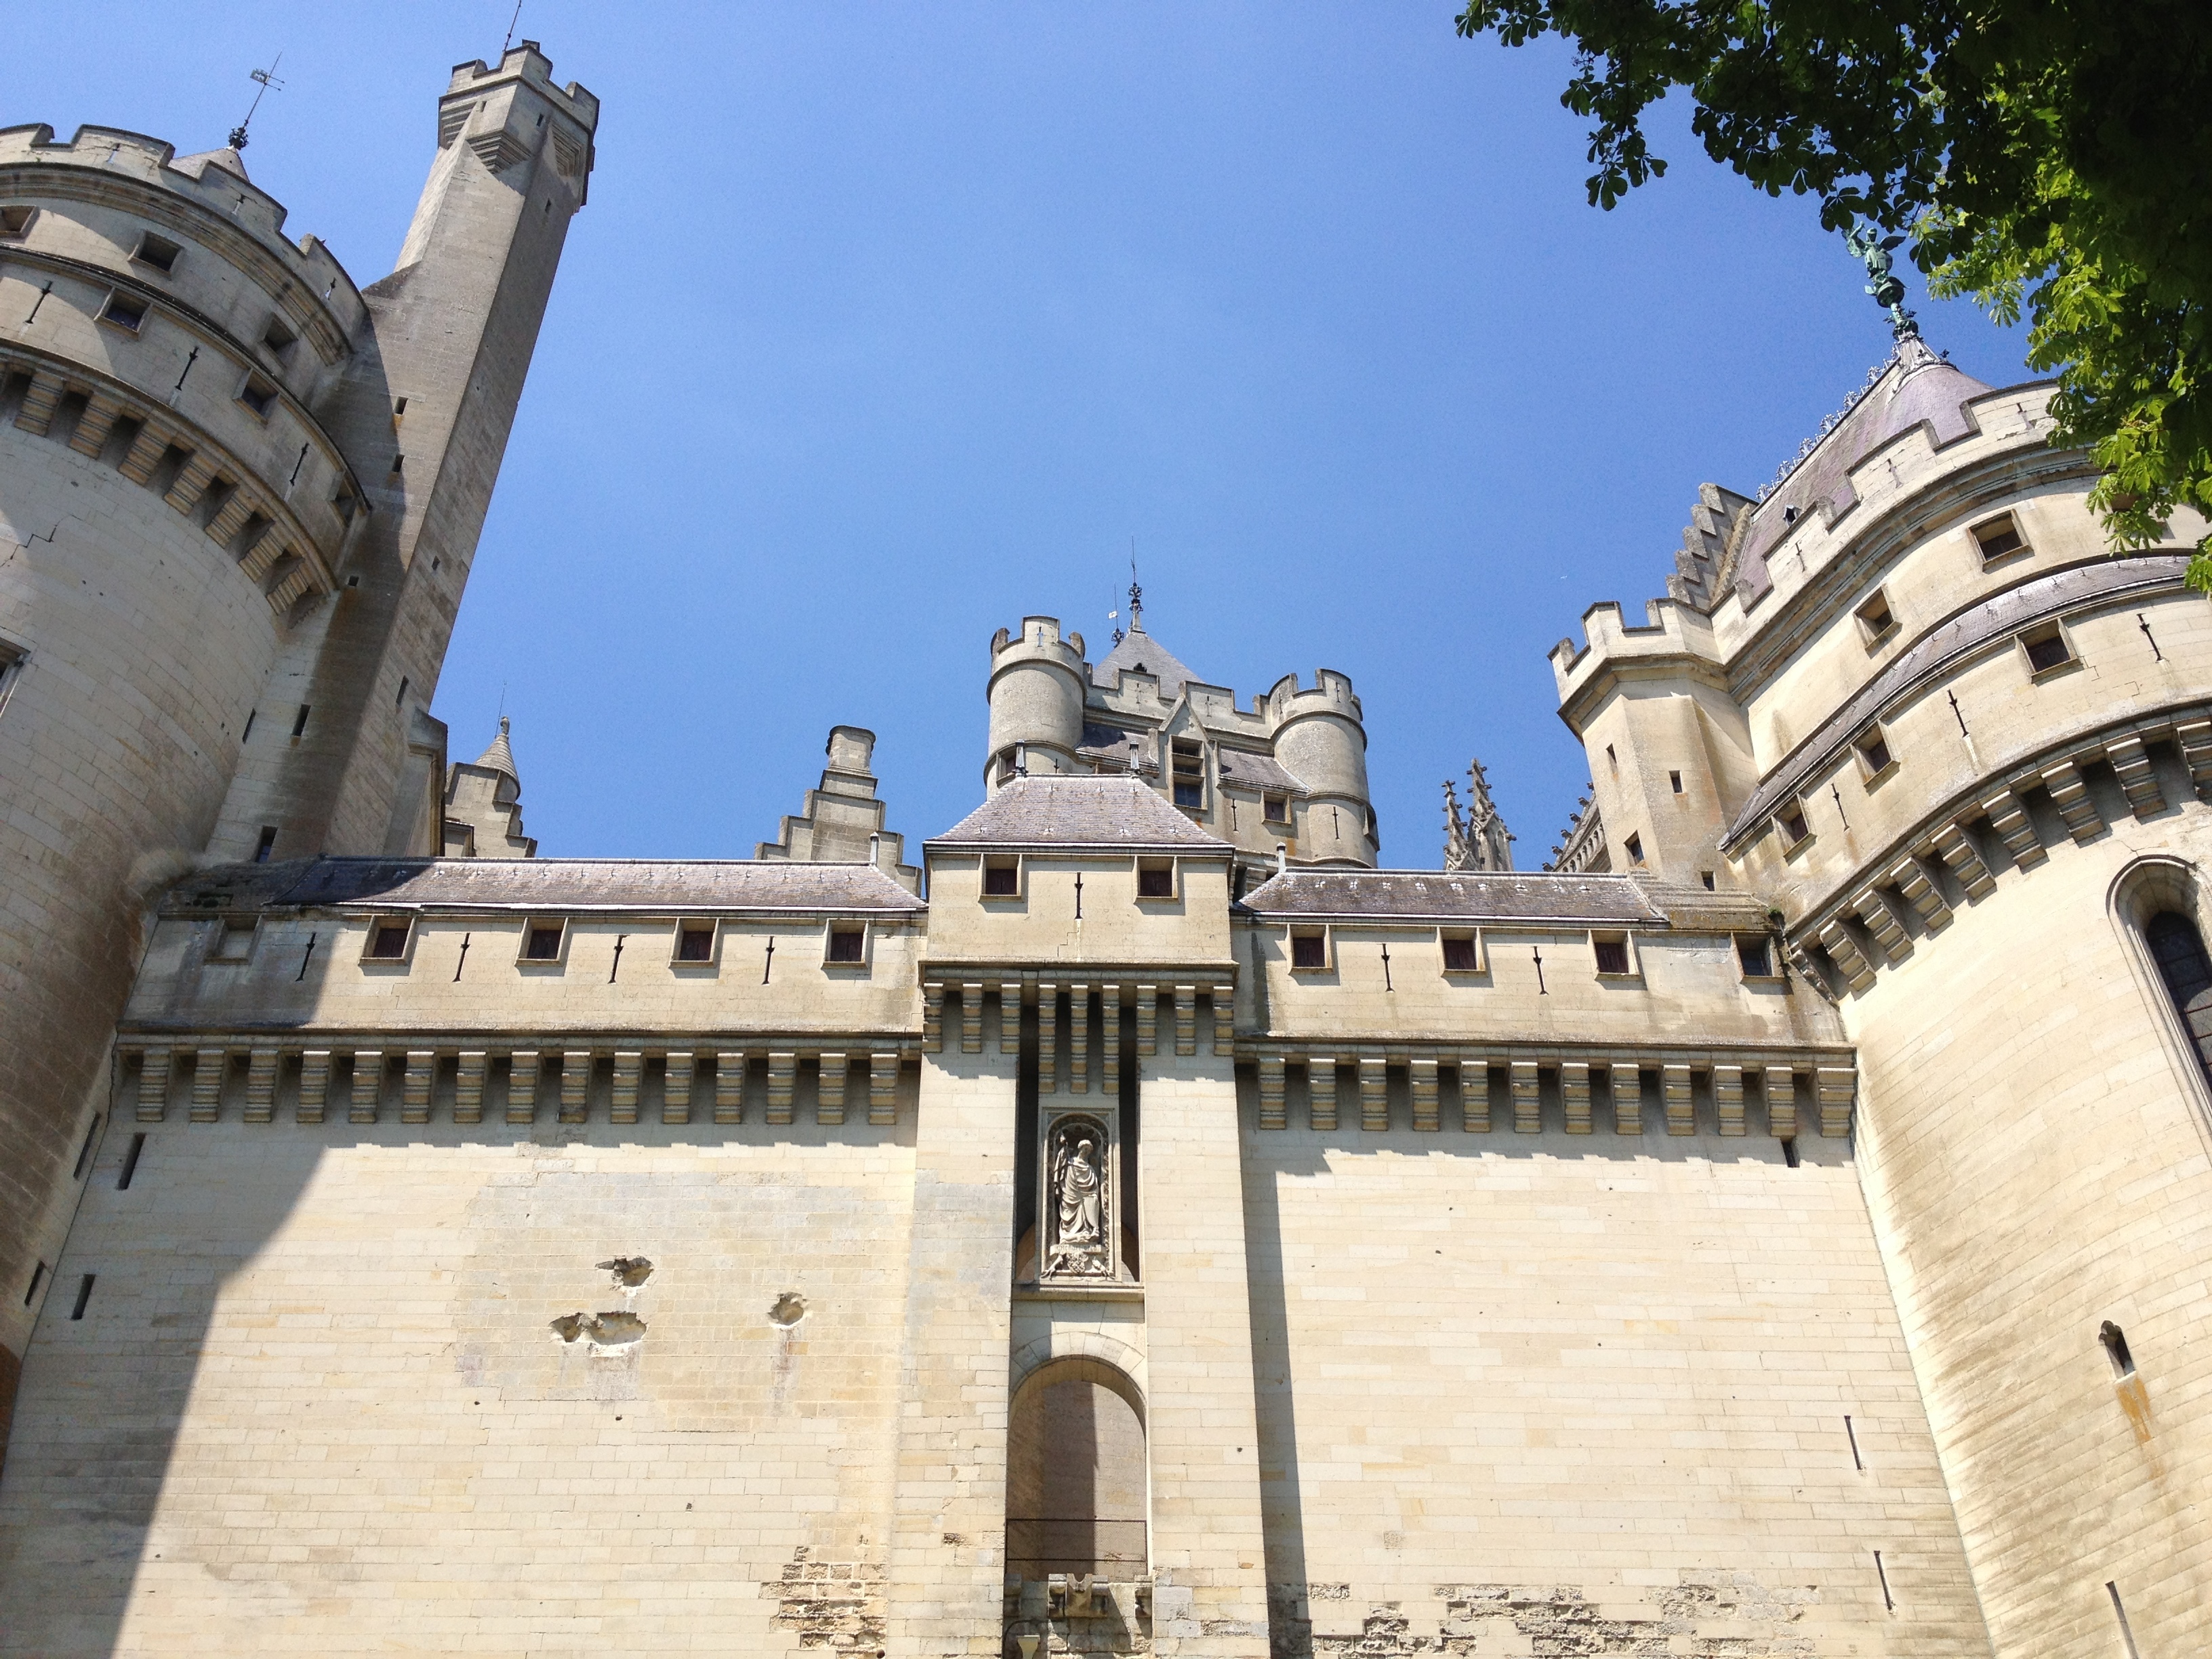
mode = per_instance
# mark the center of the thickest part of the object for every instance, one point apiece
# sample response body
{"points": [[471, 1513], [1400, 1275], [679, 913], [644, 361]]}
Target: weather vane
{"points": [[1887, 289], [267, 80]]}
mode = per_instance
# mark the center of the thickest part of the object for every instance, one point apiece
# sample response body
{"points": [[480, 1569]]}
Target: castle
{"points": [[1143, 1222]]}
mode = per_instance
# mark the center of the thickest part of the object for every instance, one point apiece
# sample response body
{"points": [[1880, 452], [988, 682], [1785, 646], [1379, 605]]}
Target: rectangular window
{"points": [[1795, 832], [695, 942], [16, 222], [848, 944], [1756, 955], [1634, 848], [1675, 780], [1460, 955], [235, 943], [1002, 877], [123, 311], [387, 939], [1275, 809], [2047, 648], [1612, 949], [278, 339], [1005, 766], [1189, 774], [158, 252], [266, 845], [1156, 879], [1309, 948], [1875, 757], [258, 394], [1706, 877], [1876, 623], [1998, 538], [541, 941]]}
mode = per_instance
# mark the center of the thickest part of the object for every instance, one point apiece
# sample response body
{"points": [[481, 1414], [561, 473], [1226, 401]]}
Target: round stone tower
{"points": [[1037, 693], [219, 463], [1319, 737]]}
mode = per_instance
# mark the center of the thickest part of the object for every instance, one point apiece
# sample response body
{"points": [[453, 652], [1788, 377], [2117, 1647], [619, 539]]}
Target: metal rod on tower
{"points": [[267, 80]]}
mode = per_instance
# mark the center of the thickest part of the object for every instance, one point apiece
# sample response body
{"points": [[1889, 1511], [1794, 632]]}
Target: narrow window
{"points": [[1876, 622], [402, 697], [266, 845], [1275, 809], [1309, 949], [1006, 764], [1002, 877], [846, 942], [16, 222], [1874, 753], [259, 395], [123, 311], [38, 1278], [278, 339], [388, 941], [131, 1163], [83, 1296], [695, 942], [2179, 950], [1675, 779], [299, 721], [1612, 953], [2047, 648], [1155, 877], [399, 464], [1612, 759], [158, 252], [1459, 953], [398, 410], [84, 1152], [1189, 774], [2115, 1343], [1634, 848], [542, 944], [1756, 953], [1998, 538]]}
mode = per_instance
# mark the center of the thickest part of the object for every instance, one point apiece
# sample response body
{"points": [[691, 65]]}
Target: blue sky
{"points": [[886, 325]]}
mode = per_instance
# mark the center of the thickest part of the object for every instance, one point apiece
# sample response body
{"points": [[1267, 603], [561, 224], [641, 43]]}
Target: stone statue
{"points": [[1079, 1204]]}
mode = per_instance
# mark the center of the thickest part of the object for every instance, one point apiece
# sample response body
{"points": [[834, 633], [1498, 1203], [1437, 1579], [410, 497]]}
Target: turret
{"points": [[1319, 737], [1037, 692]]}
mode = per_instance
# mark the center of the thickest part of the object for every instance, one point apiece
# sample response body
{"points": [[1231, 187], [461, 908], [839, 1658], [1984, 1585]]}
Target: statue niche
{"points": [[1077, 1210]]}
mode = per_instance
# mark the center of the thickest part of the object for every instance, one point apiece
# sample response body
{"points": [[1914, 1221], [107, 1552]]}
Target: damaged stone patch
{"points": [[606, 1330], [836, 1606], [788, 1309], [1732, 1617], [630, 1270]]}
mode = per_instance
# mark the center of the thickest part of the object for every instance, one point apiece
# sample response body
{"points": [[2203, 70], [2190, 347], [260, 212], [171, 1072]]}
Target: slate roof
{"points": [[660, 886], [1919, 387], [1122, 813], [1240, 766], [2107, 581], [1140, 654], [1433, 895]]}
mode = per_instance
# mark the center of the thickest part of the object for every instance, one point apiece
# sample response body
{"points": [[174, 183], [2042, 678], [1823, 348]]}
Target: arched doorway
{"points": [[1076, 1475]]}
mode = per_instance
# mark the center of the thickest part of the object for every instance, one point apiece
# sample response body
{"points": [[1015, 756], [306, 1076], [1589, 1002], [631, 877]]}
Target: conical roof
{"points": [[1138, 652], [499, 757], [1915, 387]]}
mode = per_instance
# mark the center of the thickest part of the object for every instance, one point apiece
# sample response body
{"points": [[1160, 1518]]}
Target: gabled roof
{"points": [[1138, 652], [656, 886], [1118, 813]]}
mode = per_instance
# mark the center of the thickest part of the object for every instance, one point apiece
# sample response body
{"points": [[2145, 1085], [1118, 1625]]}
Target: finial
{"points": [[502, 725], [1136, 594], [1888, 291], [266, 79]]}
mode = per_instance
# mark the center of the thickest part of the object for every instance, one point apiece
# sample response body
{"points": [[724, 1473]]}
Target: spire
{"points": [[499, 757]]}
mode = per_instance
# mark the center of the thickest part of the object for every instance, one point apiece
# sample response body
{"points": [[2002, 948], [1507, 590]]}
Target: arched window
{"points": [[2179, 950], [1076, 1483]]}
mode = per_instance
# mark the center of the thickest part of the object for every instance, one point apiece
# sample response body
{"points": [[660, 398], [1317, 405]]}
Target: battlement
{"points": [[1670, 630], [528, 63], [1331, 693]]}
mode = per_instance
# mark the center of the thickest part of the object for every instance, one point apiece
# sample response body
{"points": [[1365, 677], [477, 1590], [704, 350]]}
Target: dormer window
{"points": [[1189, 774], [1275, 809], [159, 251], [1796, 831]]}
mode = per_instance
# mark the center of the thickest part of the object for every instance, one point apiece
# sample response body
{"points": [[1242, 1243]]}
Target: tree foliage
{"points": [[2050, 158]]}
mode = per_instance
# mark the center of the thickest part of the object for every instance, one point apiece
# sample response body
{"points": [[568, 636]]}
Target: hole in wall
{"points": [[787, 1309], [630, 1270]]}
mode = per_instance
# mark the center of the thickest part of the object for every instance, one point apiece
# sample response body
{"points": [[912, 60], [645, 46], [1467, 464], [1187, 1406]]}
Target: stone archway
{"points": [[1077, 1476]]}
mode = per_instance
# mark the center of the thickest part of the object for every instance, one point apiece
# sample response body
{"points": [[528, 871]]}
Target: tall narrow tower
{"points": [[239, 499]]}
